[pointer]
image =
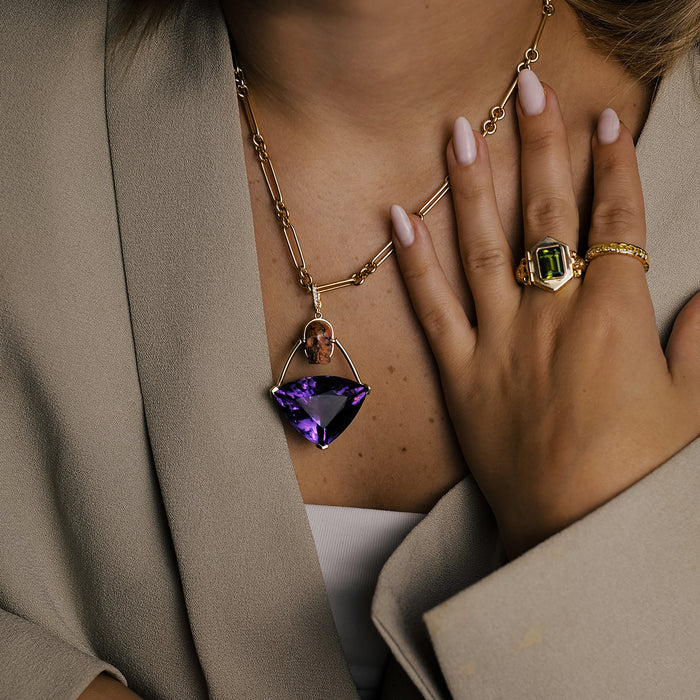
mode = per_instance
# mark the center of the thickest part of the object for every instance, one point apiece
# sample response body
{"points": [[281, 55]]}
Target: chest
{"points": [[400, 452]]}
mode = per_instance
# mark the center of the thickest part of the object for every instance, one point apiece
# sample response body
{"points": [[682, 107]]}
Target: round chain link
{"points": [[282, 213], [488, 128], [305, 279]]}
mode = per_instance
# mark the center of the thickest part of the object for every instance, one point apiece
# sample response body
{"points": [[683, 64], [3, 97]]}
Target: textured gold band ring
{"points": [[619, 249], [549, 265]]}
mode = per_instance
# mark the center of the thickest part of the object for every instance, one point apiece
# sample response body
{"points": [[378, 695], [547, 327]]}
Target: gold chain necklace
{"points": [[321, 407]]}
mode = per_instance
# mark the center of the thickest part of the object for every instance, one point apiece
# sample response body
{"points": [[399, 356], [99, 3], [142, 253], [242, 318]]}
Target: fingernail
{"points": [[402, 225], [608, 126], [530, 93], [463, 142]]}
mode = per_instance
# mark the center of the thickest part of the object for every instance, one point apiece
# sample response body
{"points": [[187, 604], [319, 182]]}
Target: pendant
{"points": [[319, 407]]}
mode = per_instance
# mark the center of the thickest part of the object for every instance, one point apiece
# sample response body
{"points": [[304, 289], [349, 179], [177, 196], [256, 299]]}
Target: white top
{"points": [[353, 544]]}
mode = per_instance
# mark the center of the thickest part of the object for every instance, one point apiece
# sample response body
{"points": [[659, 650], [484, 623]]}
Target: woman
{"points": [[154, 528]]}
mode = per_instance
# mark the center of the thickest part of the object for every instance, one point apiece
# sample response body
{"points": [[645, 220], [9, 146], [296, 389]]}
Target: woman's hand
{"points": [[560, 400]]}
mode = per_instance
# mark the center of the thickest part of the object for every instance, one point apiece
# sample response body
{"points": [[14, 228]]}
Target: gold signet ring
{"points": [[549, 265]]}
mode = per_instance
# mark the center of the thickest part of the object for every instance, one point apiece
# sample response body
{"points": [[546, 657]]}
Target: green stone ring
{"points": [[549, 265]]}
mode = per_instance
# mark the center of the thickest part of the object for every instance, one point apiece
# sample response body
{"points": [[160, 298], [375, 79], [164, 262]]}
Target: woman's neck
{"points": [[368, 61], [379, 65]]}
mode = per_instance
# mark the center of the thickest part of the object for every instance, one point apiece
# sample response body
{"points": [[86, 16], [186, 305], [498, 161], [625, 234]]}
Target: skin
{"points": [[105, 687], [340, 151], [349, 133]]}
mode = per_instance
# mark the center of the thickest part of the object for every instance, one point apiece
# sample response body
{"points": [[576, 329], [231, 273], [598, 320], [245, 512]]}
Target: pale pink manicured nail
{"points": [[531, 93], [402, 225], [463, 142], [608, 126]]}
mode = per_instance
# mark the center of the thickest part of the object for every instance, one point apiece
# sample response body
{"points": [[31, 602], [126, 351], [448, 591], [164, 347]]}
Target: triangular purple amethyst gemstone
{"points": [[320, 408]]}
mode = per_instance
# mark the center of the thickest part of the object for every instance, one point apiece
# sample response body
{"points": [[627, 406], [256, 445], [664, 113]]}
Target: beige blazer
{"points": [[150, 520]]}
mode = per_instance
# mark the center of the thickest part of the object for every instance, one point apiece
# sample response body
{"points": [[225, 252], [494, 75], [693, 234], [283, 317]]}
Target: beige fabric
{"points": [[668, 152], [150, 521], [605, 609]]}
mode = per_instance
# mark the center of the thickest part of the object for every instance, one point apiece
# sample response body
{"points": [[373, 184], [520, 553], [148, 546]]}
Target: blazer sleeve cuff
{"points": [[37, 664], [605, 608]]}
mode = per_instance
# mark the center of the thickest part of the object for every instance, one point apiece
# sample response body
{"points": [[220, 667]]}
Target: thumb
{"points": [[683, 349]]}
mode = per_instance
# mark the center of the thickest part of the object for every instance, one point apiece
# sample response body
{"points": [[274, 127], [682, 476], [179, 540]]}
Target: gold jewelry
{"points": [[618, 249], [320, 408], [549, 265]]}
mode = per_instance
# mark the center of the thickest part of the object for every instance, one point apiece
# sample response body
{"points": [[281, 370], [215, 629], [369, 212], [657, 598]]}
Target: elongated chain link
{"points": [[488, 128]]}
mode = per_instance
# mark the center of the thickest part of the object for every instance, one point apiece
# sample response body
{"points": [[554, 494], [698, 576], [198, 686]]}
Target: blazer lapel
{"points": [[669, 164], [454, 546], [255, 597]]}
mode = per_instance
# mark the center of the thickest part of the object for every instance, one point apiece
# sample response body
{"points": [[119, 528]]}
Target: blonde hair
{"points": [[646, 37]]}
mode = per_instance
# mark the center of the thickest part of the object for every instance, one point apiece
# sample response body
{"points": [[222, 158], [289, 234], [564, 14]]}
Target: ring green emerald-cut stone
{"points": [[550, 262]]}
